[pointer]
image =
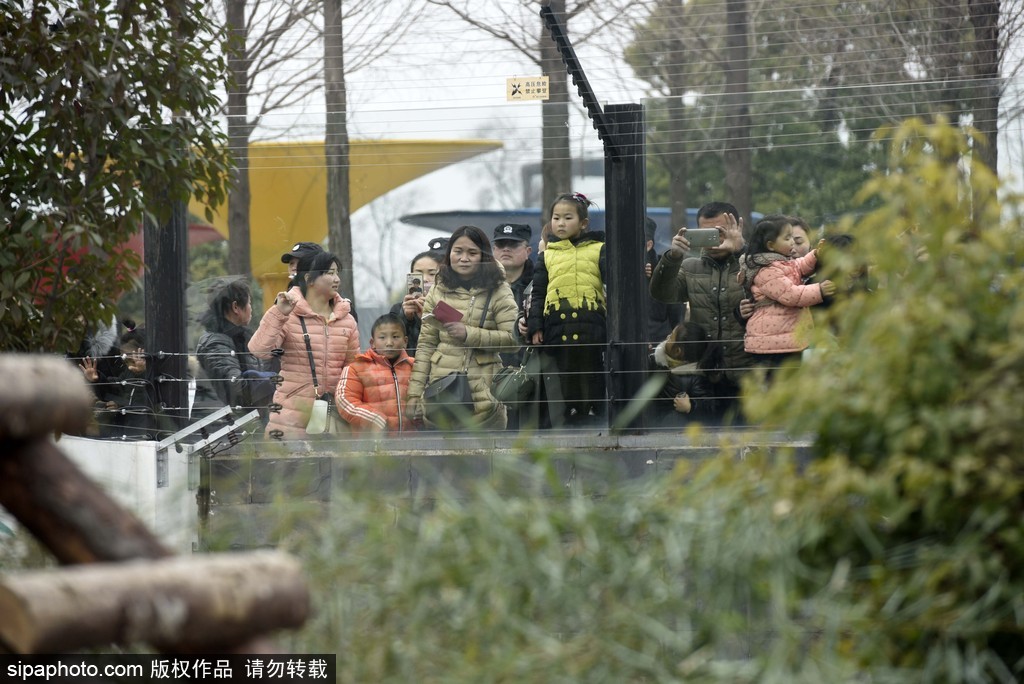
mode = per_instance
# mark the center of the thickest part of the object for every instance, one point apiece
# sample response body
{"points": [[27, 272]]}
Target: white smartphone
{"points": [[703, 237]]}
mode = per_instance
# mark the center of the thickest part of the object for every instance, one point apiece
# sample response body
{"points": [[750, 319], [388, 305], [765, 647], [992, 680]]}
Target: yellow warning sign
{"points": [[526, 88]]}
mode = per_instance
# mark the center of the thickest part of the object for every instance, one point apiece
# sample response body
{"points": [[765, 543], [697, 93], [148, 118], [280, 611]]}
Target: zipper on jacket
{"points": [[398, 397], [718, 302]]}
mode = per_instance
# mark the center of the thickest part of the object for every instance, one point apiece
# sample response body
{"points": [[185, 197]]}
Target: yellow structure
{"points": [[289, 189]]}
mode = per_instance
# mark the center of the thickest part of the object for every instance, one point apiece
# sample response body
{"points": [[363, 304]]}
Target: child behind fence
{"points": [[373, 390], [568, 308], [775, 282]]}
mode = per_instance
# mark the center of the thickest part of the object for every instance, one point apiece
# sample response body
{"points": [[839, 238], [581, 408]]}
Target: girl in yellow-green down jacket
{"points": [[568, 309], [469, 280]]}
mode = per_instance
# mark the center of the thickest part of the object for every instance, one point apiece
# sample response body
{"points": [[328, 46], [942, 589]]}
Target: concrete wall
{"points": [[257, 492], [260, 491], [161, 496]]}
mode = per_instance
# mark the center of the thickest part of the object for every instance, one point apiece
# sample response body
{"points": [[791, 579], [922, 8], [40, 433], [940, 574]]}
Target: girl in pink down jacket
{"points": [[333, 337], [775, 281]]}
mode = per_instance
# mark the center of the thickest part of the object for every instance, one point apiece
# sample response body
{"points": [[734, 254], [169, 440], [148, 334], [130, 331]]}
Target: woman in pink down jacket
{"points": [[775, 282], [333, 339]]}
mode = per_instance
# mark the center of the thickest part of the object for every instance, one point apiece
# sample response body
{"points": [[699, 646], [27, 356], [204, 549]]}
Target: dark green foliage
{"points": [[107, 110], [915, 408]]}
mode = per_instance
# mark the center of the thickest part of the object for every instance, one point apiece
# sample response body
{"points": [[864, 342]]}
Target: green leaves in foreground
{"points": [[683, 580]]}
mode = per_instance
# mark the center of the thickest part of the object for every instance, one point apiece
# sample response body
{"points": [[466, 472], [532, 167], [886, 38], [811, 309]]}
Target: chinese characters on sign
{"points": [[529, 88]]}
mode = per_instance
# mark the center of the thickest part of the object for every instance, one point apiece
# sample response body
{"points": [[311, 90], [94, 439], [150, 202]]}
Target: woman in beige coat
{"points": [[333, 339], [468, 275]]}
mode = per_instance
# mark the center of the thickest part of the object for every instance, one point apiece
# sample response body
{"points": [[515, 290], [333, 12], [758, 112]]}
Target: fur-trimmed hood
{"points": [[100, 341], [675, 367]]}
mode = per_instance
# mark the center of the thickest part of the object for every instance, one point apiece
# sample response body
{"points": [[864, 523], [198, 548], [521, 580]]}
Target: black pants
{"points": [[773, 362], [581, 376]]}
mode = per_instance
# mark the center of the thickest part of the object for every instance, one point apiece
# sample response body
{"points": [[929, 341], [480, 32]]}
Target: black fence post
{"points": [[166, 280], [625, 195]]}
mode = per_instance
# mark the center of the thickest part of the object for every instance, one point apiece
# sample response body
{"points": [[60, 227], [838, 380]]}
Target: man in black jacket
{"points": [[512, 250], [707, 282]]}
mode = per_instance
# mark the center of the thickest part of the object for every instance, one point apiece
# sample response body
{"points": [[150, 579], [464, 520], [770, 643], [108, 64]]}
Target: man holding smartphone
{"points": [[708, 283]]}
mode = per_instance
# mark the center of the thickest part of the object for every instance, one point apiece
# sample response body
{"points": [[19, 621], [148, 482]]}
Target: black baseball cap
{"points": [[301, 250], [512, 231], [438, 244], [650, 228]]}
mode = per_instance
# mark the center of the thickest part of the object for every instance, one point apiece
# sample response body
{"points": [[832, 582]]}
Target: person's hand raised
{"points": [[136, 362], [680, 245], [412, 306], [828, 288], [285, 302], [88, 367]]}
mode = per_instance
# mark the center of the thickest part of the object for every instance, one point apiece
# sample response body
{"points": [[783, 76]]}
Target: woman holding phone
{"points": [[424, 268]]}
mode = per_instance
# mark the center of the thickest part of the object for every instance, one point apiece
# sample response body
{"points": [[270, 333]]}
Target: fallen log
{"points": [[182, 604]]}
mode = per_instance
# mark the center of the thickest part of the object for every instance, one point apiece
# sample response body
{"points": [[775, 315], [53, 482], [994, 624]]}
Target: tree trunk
{"points": [[556, 162], [75, 519], [675, 158], [736, 155], [239, 130], [336, 146], [985, 20]]}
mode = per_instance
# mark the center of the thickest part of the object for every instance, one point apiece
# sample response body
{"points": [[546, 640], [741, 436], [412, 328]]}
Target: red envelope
{"points": [[446, 313]]}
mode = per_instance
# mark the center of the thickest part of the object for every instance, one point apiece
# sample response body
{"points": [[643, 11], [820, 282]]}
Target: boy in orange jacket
{"points": [[371, 395]]}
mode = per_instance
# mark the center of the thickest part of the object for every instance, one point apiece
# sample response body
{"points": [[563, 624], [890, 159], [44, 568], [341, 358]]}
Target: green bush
{"points": [[915, 412], [689, 578]]}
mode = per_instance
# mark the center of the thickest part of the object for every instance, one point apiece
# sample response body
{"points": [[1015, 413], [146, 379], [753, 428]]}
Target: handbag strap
{"points": [[487, 305], [309, 353], [483, 319]]}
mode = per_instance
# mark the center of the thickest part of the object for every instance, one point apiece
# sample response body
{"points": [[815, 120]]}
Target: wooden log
{"points": [[184, 604], [41, 395], [66, 511]]}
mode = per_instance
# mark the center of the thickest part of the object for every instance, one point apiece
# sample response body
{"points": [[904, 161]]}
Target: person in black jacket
{"points": [[235, 375], [511, 244], [426, 265], [130, 407], [687, 395]]}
